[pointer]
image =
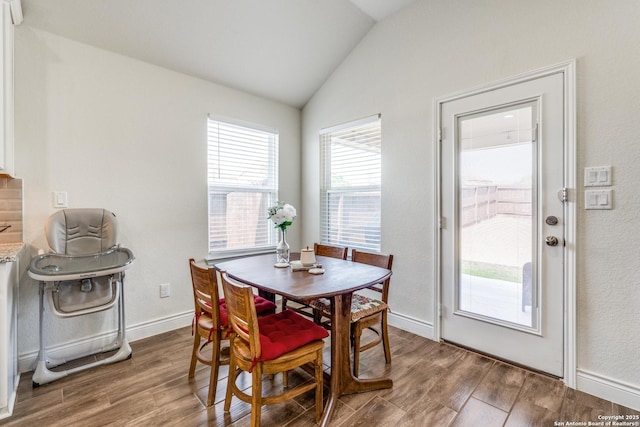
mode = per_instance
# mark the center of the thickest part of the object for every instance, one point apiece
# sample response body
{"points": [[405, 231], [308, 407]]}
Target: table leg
{"points": [[342, 379], [267, 295]]}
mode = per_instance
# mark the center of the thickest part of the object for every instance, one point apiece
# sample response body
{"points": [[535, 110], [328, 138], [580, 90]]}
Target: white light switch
{"points": [[598, 199], [60, 199], [597, 176]]}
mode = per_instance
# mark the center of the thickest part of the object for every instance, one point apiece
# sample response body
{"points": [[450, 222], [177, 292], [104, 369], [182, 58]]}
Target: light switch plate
{"points": [[60, 199], [599, 176], [598, 199]]}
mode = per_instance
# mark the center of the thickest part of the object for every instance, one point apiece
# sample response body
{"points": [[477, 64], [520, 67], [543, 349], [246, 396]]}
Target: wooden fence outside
{"points": [[482, 202]]}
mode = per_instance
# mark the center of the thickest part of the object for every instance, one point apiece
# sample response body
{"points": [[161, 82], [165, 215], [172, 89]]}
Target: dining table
{"points": [[337, 283]]}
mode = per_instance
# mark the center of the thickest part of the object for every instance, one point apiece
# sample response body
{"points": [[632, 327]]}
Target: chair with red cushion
{"points": [[268, 345], [211, 323]]}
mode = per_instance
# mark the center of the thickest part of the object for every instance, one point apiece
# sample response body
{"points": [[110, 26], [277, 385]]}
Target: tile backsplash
{"points": [[10, 209]]}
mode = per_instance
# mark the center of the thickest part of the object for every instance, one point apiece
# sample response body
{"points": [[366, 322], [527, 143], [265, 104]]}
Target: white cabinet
{"points": [[9, 375], [10, 11]]}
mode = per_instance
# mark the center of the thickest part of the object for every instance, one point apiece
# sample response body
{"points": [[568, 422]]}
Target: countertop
{"points": [[9, 251]]}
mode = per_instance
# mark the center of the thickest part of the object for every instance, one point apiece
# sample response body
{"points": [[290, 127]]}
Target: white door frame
{"points": [[568, 69]]}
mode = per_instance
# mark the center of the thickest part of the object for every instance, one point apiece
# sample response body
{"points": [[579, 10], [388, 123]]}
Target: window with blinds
{"points": [[242, 183], [351, 164]]}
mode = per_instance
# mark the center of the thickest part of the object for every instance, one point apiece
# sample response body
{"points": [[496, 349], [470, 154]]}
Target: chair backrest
{"points": [[205, 291], [243, 318], [339, 252], [83, 231], [378, 260]]}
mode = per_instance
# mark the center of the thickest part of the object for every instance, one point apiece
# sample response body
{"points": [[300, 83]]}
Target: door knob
{"points": [[551, 241]]}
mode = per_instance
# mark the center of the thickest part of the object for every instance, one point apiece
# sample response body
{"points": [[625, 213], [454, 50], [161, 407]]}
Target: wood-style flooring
{"points": [[435, 384]]}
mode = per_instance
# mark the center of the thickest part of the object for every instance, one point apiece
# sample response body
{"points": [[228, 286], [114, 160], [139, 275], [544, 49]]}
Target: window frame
{"points": [[327, 189], [270, 189]]}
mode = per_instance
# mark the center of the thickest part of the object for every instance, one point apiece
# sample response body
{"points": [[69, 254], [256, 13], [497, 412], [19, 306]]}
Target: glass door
{"points": [[496, 211]]}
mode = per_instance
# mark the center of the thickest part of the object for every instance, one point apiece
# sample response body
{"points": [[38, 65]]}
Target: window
{"points": [[242, 184], [351, 177]]}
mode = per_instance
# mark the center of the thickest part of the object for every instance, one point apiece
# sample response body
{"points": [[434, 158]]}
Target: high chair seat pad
{"points": [[81, 231]]}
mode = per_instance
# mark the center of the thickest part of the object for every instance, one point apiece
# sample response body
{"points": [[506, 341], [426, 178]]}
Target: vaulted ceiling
{"points": [[280, 49]]}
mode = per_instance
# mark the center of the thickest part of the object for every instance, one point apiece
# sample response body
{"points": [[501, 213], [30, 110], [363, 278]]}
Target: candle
{"points": [[307, 257]]}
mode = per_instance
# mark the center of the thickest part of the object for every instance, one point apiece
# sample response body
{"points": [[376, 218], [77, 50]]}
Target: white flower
{"points": [[282, 215], [279, 217], [289, 212]]}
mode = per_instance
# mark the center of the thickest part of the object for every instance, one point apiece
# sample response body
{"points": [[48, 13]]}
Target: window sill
{"points": [[213, 259]]}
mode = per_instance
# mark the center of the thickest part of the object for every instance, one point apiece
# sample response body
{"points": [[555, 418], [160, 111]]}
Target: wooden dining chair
{"points": [[268, 345], [366, 313], [332, 251], [211, 323]]}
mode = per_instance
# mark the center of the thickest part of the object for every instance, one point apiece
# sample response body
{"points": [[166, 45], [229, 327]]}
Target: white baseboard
{"points": [[610, 389], [79, 348], [159, 326], [411, 324], [8, 410]]}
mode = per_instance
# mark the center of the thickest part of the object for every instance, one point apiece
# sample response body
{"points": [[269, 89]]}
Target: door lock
{"points": [[551, 220], [551, 241]]}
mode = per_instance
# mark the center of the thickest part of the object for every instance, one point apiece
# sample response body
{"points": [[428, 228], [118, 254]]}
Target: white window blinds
{"points": [[242, 183], [351, 177]]}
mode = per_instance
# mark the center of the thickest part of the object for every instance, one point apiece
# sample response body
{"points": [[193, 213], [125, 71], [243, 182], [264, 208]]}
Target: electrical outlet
{"points": [[165, 290]]}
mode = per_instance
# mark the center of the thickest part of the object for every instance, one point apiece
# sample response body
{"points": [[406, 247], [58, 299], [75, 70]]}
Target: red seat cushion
{"points": [[283, 332], [263, 306]]}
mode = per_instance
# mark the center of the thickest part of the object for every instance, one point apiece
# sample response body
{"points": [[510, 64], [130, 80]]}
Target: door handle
{"points": [[551, 241]]}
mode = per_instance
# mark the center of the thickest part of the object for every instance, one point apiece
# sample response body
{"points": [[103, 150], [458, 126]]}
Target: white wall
{"points": [[121, 134], [435, 48]]}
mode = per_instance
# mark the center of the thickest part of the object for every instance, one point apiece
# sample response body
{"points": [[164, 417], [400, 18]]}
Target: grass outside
{"points": [[492, 271]]}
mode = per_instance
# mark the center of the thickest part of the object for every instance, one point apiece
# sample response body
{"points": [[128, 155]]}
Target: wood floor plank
{"points": [[544, 392], [377, 412], [526, 414], [118, 414], [623, 410], [461, 379], [501, 386], [61, 414], [179, 409], [341, 413], [425, 412], [444, 355], [479, 413], [409, 389]]}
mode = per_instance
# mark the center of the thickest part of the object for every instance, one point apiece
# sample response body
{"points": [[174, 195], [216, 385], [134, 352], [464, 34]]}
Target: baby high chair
{"points": [[84, 274]]}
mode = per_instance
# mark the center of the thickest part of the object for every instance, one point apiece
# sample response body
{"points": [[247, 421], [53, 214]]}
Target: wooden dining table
{"points": [[338, 282]]}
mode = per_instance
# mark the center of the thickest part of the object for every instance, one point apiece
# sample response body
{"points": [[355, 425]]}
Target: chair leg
{"points": [[355, 334], [385, 338], [317, 316], [231, 382], [256, 395], [194, 354], [215, 366], [319, 385]]}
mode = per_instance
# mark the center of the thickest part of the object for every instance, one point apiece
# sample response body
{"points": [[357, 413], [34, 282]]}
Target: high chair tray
{"points": [[57, 267]]}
